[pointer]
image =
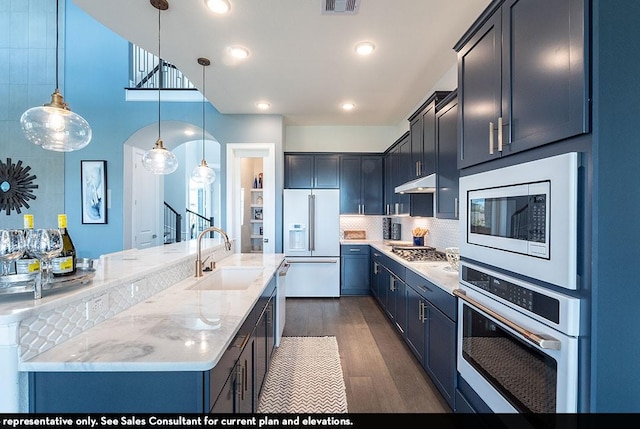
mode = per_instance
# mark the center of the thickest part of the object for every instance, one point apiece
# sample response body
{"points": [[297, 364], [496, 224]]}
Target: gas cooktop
{"points": [[418, 253]]}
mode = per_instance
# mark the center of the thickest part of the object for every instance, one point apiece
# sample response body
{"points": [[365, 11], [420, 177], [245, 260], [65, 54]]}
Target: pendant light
{"points": [[159, 160], [54, 126], [203, 174]]}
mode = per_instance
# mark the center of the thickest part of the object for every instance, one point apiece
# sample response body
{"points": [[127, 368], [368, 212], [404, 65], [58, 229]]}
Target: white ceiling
{"points": [[302, 61]]}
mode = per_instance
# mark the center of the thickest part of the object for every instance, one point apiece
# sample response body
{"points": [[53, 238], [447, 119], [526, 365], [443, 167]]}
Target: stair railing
{"points": [[198, 223], [172, 225]]}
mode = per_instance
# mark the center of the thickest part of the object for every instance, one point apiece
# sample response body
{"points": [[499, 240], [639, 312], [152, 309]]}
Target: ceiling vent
{"points": [[340, 7]]}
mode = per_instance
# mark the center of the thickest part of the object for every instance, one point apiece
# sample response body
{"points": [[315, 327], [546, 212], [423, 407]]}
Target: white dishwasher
{"points": [[281, 296]]}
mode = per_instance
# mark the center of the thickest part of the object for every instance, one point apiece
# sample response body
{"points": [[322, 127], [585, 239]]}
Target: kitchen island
{"points": [[144, 311]]}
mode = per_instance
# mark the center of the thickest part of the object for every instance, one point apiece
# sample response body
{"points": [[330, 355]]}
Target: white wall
{"points": [[358, 138]]}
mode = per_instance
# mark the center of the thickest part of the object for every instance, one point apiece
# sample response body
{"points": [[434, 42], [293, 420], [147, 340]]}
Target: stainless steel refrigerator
{"points": [[311, 225]]}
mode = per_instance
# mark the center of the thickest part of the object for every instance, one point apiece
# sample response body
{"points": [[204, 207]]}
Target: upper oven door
{"points": [[514, 363], [511, 218], [491, 227]]}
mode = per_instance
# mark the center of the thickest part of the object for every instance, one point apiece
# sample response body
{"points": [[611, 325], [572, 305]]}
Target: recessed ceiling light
{"points": [[238, 52], [263, 105], [365, 48], [189, 132], [348, 106], [218, 6]]}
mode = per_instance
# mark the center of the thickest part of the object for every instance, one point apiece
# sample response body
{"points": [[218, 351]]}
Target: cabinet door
{"points": [[428, 162], [401, 306], [244, 381], [440, 352], [416, 144], [355, 272], [544, 80], [415, 330], [299, 171], [224, 403], [401, 167], [259, 356], [326, 171], [479, 93], [446, 166], [389, 194], [372, 185], [350, 186]]}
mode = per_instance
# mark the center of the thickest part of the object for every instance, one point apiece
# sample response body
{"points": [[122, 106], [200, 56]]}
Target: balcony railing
{"points": [[147, 73]]}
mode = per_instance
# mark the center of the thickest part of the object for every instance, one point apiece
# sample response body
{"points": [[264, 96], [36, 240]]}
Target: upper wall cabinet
{"points": [[304, 171], [446, 154], [522, 78], [361, 184], [422, 131]]}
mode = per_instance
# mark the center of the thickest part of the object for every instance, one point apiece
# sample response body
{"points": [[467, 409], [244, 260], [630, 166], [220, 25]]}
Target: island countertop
{"points": [[186, 327]]}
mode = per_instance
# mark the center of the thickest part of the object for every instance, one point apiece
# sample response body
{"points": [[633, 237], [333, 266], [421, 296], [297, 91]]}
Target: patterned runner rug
{"points": [[305, 377]]}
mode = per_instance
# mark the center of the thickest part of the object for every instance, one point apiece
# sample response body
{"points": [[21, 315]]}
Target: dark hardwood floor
{"points": [[381, 373]]}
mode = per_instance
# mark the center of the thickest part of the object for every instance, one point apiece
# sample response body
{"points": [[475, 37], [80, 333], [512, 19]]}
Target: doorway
{"points": [[245, 161]]}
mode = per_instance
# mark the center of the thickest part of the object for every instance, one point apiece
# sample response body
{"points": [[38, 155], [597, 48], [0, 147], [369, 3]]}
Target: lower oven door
{"points": [[515, 363]]}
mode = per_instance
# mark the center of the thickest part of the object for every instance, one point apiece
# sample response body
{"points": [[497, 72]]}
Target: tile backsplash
{"points": [[442, 232]]}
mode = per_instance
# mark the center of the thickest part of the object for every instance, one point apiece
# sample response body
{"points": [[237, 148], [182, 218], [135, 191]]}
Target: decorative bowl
{"points": [[453, 257]]}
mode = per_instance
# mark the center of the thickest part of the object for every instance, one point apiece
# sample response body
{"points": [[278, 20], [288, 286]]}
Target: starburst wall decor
{"points": [[16, 185]]}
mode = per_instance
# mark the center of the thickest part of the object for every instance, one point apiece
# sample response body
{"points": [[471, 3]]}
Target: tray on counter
{"points": [[23, 283]]}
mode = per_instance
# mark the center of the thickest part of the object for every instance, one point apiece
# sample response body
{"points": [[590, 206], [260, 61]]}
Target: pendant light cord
{"points": [[57, 38], [204, 87], [159, 73]]}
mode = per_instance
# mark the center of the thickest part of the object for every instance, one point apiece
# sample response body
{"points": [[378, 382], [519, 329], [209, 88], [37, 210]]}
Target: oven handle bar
{"points": [[540, 341]]}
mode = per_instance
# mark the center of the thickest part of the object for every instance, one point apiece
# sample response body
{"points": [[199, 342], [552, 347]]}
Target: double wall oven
{"points": [[519, 315]]}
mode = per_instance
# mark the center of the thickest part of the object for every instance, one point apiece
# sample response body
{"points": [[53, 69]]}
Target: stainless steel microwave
{"points": [[523, 218]]}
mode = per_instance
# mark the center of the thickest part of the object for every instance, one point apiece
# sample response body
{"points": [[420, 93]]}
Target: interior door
{"points": [[146, 209]]}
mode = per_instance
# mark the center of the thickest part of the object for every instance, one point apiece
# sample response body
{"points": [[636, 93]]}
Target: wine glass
{"points": [[44, 244], [12, 247]]}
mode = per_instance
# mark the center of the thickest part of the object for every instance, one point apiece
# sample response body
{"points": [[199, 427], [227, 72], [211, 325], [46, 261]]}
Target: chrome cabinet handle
{"points": [[490, 138], [500, 134], [539, 340], [312, 222], [376, 268], [455, 207], [354, 250]]}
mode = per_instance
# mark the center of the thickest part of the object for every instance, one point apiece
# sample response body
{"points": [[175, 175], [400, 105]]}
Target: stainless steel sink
{"points": [[229, 278]]}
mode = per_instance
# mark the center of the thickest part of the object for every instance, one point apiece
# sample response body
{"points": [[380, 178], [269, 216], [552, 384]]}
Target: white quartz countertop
{"points": [[438, 273], [186, 327], [112, 268]]}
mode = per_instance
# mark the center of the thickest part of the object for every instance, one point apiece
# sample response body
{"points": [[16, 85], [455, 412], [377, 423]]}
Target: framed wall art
{"points": [[93, 176]]}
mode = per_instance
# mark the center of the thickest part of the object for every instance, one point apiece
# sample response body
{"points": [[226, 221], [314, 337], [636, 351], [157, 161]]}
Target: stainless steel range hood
{"points": [[423, 185]]}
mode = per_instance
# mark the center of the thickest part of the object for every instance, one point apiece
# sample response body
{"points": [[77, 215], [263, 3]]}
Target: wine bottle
{"points": [[27, 264], [65, 263]]}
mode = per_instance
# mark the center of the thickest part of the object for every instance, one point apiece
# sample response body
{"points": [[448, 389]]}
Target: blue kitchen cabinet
{"points": [[525, 62], [446, 158], [361, 184], [377, 275], [355, 262], [422, 126], [415, 331], [431, 332], [307, 171], [440, 352], [399, 160]]}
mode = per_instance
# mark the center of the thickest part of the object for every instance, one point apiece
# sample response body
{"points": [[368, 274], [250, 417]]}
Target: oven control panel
{"points": [[535, 302]]}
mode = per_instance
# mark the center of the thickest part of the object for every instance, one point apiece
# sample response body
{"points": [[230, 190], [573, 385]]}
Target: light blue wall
{"points": [[96, 75], [27, 79]]}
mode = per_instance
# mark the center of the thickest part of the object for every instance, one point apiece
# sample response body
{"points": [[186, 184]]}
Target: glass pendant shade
{"points": [[203, 174], [159, 160], [54, 126]]}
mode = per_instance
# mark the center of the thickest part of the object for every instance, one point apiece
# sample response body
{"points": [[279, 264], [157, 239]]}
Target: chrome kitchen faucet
{"points": [[199, 261]]}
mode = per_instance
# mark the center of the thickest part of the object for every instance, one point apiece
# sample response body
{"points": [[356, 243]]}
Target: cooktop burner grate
{"points": [[419, 253]]}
